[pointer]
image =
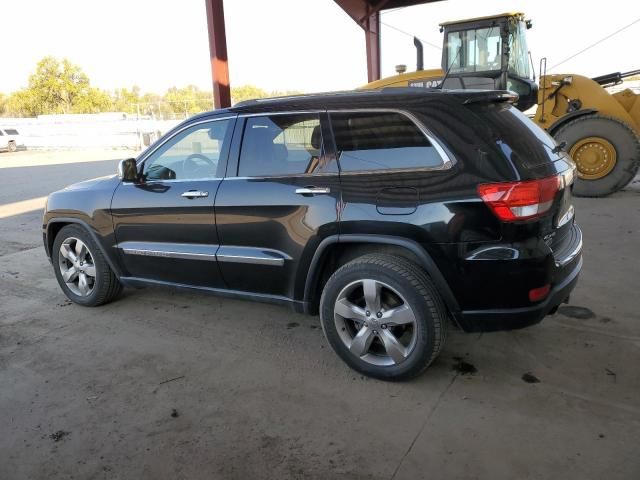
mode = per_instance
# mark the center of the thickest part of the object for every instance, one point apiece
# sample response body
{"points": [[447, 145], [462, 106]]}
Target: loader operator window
{"points": [[476, 50], [518, 52]]}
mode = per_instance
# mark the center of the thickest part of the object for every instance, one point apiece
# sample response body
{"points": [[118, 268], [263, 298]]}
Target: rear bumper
{"points": [[513, 318]]}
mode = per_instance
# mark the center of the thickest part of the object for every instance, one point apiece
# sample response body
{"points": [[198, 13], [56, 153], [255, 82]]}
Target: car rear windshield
{"points": [[518, 137], [11, 131]]}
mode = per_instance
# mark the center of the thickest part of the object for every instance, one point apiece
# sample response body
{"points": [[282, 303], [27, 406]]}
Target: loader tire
{"points": [[606, 151]]}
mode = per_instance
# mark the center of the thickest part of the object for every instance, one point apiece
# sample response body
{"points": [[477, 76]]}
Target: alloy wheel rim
{"points": [[77, 267], [375, 322], [595, 157]]}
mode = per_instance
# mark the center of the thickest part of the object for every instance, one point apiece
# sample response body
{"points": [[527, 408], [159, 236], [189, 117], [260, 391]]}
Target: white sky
{"points": [[308, 45]]}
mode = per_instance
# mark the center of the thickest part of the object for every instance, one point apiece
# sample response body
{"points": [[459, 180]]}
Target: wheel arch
{"points": [[336, 250], [56, 224]]}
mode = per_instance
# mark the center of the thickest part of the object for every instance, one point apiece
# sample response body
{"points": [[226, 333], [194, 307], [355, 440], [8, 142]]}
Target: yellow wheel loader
{"points": [[599, 130]]}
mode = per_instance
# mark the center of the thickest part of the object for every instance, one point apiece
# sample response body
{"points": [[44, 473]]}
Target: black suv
{"points": [[388, 212]]}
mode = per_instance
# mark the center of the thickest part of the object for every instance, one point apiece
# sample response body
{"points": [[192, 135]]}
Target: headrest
{"points": [[316, 137]]}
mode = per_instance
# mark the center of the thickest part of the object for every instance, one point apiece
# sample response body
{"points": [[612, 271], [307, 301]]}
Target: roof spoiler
{"points": [[492, 96]]}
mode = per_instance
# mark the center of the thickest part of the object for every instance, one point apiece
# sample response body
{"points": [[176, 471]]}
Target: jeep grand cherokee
{"points": [[389, 213]]}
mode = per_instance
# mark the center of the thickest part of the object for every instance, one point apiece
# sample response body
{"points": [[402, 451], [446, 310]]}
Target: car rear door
{"points": [[165, 223], [279, 200]]}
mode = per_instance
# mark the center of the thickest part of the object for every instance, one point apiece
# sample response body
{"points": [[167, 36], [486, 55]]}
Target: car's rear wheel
{"points": [[383, 316], [12, 147], [81, 270]]}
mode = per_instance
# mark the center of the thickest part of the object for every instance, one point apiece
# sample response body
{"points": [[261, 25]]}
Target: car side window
{"points": [[193, 154], [281, 145], [381, 141]]}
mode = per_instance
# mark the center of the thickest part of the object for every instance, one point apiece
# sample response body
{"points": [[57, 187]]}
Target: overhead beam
{"points": [[366, 13], [372, 43], [218, 53]]}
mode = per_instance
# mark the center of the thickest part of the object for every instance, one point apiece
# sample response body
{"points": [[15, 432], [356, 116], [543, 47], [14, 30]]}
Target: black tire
{"points": [[106, 286], [12, 147], [620, 135], [418, 291]]}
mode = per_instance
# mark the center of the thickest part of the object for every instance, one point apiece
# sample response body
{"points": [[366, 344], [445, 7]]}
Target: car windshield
{"points": [[518, 52], [476, 50]]}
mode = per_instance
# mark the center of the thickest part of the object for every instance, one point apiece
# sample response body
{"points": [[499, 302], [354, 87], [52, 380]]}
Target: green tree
{"points": [[58, 86], [247, 92], [125, 100], [152, 104], [188, 100]]}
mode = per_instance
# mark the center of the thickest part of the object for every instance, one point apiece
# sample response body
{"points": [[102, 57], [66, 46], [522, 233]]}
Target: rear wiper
{"points": [[560, 147]]}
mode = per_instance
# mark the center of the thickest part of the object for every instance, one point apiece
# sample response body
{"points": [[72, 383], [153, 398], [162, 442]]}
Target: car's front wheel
{"points": [[81, 270], [383, 316], [12, 147]]}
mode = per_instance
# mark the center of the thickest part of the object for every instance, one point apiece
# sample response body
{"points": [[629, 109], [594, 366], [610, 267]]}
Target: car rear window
{"points": [[381, 141], [11, 131], [519, 138]]}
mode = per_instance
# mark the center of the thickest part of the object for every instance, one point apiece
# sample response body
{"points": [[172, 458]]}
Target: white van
{"points": [[10, 139]]}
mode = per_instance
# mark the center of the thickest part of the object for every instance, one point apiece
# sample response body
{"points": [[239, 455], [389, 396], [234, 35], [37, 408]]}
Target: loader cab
{"points": [[490, 53]]}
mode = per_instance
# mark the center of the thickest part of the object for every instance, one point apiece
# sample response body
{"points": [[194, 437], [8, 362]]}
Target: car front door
{"points": [[165, 223], [282, 202]]}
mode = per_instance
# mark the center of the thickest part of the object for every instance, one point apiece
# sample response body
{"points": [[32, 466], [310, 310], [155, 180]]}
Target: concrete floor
{"points": [[161, 384]]}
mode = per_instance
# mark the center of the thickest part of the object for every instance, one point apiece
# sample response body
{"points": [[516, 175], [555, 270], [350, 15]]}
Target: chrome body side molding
{"points": [[187, 251], [211, 253], [258, 256]]}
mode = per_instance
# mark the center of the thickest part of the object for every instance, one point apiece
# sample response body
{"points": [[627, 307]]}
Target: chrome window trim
{"points": [[323, 174], [151, 182], [287, 112], [447, 161]]}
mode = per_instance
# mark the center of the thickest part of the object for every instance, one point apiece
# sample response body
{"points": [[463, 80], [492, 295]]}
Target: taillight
{"points": [[511, 201], [540, 293]]}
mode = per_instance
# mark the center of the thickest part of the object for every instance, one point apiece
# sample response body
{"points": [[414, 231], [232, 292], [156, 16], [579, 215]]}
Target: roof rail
{"points": [[492, 96]]}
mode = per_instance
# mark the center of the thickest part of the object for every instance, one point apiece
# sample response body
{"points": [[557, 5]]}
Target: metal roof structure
{"points": [[365, 13]]}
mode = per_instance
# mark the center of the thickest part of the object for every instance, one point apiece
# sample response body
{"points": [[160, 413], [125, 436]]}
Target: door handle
{"points": [[313, 191], [195, 194]]}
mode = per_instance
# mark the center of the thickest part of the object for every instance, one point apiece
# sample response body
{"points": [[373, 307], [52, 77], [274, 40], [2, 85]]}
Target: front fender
{"points": [[87, 204], [55, 224]]}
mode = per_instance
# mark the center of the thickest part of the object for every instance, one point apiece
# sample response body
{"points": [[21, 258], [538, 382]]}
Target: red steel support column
{"points": [[218, 53], [371, 27]]}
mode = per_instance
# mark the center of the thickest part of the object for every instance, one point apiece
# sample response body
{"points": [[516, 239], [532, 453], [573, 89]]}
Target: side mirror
{"points": [[128, 170]]}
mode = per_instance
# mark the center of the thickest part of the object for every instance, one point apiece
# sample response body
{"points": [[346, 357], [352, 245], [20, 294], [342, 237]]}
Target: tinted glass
{"points": [[281, 145], [193, 154], [1, 134], [519, 139], [381, 141], [518, 52], [11, 131]]}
